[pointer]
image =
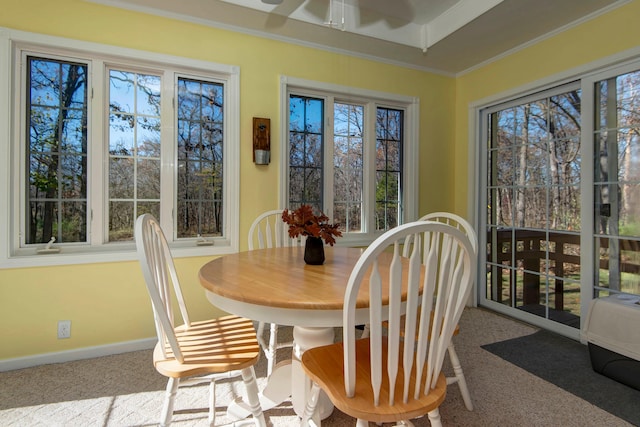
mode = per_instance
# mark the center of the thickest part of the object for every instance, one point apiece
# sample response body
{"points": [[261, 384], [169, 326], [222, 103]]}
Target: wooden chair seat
{"points": [[194, 352], [210, 347], [384, 378], [325, 366], [464, 226]]}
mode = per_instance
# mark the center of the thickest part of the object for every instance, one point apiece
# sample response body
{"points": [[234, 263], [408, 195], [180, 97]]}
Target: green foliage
{"points": [[630, 229], [43, 182]]}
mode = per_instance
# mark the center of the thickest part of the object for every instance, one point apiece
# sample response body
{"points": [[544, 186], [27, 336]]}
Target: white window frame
{"points": [[586, 75], [589, 283], [12, 165], [365, 97]]}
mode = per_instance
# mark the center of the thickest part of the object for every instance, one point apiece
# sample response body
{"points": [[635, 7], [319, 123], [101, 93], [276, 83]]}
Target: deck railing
{"points": [[530, 257], [560, 251]]}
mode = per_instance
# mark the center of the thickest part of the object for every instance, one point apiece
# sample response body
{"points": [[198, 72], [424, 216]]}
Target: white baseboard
{"points": [[77, 354]]}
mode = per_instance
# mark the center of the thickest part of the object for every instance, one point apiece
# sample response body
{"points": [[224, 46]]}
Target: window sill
{"points": [[123, 253], [356, 240]]}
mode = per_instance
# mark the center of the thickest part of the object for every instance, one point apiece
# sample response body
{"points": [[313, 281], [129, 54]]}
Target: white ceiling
{"points": [[447, 36]]}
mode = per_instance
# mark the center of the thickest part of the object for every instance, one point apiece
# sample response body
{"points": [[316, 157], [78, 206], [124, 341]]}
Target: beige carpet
{"points": [[125, 390]]}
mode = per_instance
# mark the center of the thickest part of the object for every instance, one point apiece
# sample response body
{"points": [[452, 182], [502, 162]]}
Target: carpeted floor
{"points": [[569, 367], [125, 390]]}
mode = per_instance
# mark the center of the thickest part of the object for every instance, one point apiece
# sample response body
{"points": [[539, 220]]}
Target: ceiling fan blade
{"points": [[285, 8], [279, 14], [318, 8], [396, 13]]}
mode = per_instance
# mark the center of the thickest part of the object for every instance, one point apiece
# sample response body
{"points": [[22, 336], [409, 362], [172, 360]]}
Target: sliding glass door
{"points": [[533, 205], [560, 201], [616, 186]]}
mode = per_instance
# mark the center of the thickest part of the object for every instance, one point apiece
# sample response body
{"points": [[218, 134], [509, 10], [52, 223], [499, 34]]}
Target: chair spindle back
{"points": [[436, 277], [159, 273], [269, 231]]}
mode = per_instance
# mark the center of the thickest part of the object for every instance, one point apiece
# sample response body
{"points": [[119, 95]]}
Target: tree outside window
{"points": [[339, 188], [137, 139], [57, 151]]}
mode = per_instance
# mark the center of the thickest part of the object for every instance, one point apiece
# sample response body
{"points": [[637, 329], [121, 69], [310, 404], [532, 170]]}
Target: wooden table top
{"points": [[279, 277]]}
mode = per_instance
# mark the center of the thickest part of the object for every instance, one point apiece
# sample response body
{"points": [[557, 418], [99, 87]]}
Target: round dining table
{"points": [[276, 286]]}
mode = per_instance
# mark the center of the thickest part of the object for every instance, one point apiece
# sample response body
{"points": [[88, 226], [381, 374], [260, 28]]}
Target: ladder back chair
{"points": [[384, 378], [193, 352], [464, 226], [269, 231]]}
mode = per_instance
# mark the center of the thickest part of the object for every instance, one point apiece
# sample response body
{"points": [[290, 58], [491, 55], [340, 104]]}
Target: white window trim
{"points": [[411, 105], [588, 143], [10, 40], [477, 197]]}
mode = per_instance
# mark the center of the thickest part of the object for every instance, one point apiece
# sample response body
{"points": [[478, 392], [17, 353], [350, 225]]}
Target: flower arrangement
{"points": [[303, 222]]}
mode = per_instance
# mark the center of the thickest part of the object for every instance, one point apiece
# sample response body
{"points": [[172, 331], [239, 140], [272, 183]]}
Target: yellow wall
{"points": [[598, 38], [107, 303]]}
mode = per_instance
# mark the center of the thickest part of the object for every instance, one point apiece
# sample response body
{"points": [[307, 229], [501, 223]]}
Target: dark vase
{"points": [[314, 251]]}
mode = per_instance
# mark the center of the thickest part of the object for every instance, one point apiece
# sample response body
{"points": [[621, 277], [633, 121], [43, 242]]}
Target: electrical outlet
{"points": [[64, 329]]}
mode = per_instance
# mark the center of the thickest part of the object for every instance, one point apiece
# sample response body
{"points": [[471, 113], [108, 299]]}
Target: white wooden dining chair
{"points": [[464, 226], [189, 353], [384, 378], [269, 231], [449, 219]]}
